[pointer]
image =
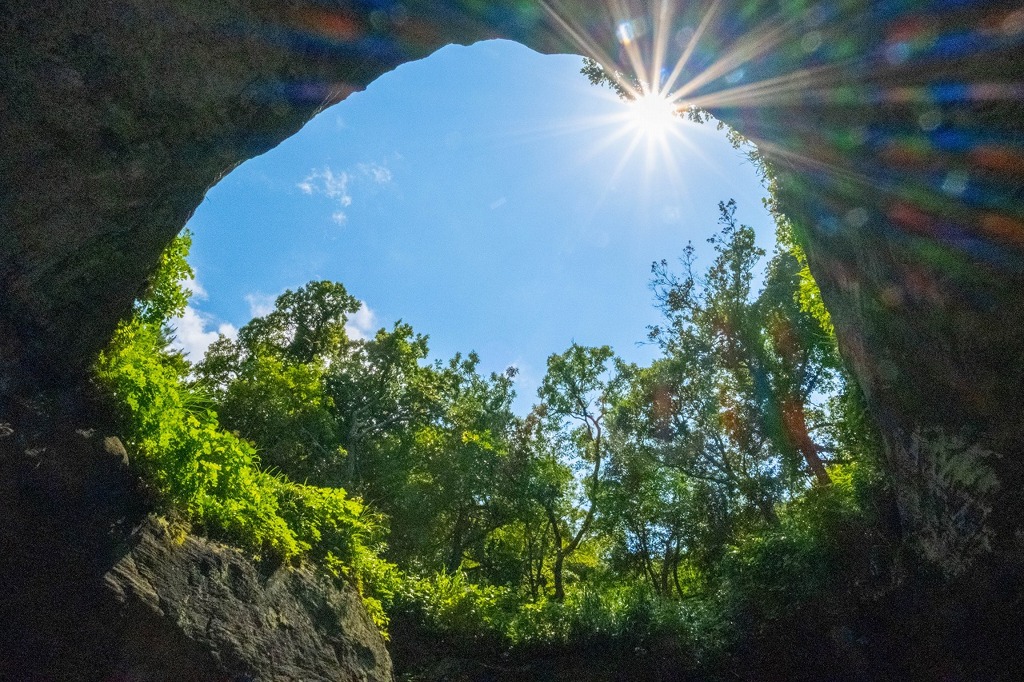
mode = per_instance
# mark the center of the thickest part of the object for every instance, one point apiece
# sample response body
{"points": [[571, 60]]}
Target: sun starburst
{"points": [[652, 114]]}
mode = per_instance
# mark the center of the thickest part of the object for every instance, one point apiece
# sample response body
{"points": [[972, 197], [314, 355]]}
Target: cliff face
{"points": [[97, 589], [897, 135]]}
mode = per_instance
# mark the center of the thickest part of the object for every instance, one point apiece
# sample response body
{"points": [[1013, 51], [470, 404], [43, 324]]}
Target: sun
{"points": [[652, 114]]}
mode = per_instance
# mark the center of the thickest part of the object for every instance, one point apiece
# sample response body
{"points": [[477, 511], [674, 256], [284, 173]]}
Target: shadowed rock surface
{"points": [[289, 624]]}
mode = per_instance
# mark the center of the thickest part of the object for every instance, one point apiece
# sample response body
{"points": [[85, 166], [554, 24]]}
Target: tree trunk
{"points": [[560, 553], [557, 571], [795, 422], [455, 551]]}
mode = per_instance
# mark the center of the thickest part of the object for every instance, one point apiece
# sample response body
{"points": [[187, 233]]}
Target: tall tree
{"points": [[713, 379], [455, 491], [577, 393], [306, 326], [270, 384], [382, 392]]}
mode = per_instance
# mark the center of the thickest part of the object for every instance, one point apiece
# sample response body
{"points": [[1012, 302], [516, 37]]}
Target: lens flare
{"points": [[863, 108], [652, 114]]}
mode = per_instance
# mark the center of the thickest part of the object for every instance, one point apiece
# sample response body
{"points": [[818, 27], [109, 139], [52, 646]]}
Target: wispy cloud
{"points": [[498, 203], [331, 184], [260, 304], [336, 185], [376, 172], [671, 214]]}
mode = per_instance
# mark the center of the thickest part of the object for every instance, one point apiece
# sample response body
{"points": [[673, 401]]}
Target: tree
{"points": [[460, 485], [801, 360], [306, 325], [679, 488], [577, 393], [716, 387], [381, 394], [269, 385]]}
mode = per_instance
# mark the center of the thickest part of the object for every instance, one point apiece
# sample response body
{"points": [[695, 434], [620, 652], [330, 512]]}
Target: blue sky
{"points": [[488, 195]]}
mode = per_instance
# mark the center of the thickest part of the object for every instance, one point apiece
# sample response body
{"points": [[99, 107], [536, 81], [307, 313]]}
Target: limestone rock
{"points": [[96, 588], [288, 625]]}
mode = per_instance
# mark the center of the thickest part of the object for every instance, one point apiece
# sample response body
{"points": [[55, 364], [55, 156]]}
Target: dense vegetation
{"points": [[681, 506], [710, 510]]}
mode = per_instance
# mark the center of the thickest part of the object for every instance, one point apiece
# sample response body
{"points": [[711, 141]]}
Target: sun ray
{"points": [[771, 90], [661, 36], [651, 120], [747, 49], [846, 173], [576, 35], [691, 45], [633, 144], [630, 43], [588, 47], [753, 93]]}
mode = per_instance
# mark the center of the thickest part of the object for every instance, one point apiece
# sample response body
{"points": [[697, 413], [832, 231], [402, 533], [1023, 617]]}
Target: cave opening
{"points": [[896, 132], [488, 195]]}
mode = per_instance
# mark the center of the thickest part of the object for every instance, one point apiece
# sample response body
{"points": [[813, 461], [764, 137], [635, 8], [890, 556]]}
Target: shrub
{"points": [[213, 476], [812, 552]]}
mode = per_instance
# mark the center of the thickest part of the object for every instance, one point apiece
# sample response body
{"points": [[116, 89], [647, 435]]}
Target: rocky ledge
{"points": [[97, 587]]}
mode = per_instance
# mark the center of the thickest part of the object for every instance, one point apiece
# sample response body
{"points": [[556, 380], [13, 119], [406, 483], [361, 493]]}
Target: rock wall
{"points": [[896, 131], [96, 588]]}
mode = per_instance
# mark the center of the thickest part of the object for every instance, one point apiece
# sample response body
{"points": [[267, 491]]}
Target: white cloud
{"points": [[498, 203], [196, 289], [191, 335], [260, 304], [361, 324], [376, 172], [328, 183], [335, 185], [671, 214]]}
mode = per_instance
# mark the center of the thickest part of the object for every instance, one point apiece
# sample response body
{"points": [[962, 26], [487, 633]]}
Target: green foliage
{"points": [[343, 536], [676, 501], [451, 605], [625, 618], [306, 325], [213, 476], [729, 482], [165, 296], [206, 472], [282, 407], [808, 296], [813, 556], [810, 569], [270, 384]]}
